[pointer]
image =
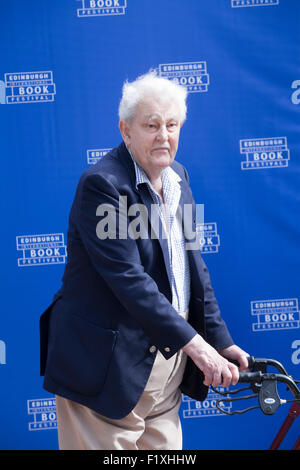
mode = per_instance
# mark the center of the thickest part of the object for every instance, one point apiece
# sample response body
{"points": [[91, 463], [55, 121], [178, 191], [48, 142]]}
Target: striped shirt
{"points": [[171, 218]]}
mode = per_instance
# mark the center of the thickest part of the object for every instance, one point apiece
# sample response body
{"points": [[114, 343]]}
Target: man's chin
{"points": [[162, 161]]}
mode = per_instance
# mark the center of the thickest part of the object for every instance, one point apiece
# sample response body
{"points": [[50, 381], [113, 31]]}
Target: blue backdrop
{"points": [[62, 68]]}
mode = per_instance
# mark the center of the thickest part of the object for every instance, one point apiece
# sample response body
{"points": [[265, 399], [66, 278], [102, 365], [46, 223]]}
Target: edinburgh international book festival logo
{"points": [[208, 237], [27, 87], [275, 314], [253, 3], [203, 409], [269, 152], [38, 250], [94, 155], [89, 8], [193, 75], [42, 413]]}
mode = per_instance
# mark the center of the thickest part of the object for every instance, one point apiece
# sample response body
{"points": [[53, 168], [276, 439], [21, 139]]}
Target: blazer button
{"points": [[152, 349], [167, 349]]}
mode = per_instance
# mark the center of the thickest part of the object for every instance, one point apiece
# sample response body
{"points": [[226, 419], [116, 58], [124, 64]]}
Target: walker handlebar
{"points": [[263, 384]]}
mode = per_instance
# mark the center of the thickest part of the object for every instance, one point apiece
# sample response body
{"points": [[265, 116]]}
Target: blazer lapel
{"points": [[188, 211], [157, 229]]}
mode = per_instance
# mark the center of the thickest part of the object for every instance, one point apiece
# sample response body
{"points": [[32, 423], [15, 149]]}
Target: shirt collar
{"points": [[169, 176]]}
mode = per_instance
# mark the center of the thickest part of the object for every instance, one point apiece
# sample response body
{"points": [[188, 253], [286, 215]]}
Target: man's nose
{"points": [[163, 133]]}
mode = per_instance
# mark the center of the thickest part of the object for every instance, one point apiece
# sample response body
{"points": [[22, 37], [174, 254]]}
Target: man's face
{"points": [[153, 135]]}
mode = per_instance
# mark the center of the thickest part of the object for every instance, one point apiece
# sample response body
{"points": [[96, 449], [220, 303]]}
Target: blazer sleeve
{"points": [[118, 262]]}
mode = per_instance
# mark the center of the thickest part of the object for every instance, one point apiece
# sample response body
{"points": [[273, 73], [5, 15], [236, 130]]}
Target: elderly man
{"points": [[136, 322]]}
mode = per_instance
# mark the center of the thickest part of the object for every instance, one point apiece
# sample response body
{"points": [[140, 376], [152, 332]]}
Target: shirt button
{"points": [[152, 349], [167, 349]]}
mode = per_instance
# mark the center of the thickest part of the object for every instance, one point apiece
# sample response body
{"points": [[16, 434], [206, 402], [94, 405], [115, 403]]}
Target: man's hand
{"points": [[216, 368], [235, 353]]}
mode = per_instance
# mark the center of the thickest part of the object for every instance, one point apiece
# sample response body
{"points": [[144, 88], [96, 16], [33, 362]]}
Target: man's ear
{"points": [[125, 131]]}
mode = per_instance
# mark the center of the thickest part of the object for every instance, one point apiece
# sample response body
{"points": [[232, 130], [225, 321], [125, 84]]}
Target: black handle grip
{"points": [[251, 361], [250, 377]]}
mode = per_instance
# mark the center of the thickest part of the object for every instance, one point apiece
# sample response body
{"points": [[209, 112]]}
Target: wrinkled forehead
{"points": [[151, 108]]}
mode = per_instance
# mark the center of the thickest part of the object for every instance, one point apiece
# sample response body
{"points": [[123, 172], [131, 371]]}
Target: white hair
{"points": [[150, 85]]}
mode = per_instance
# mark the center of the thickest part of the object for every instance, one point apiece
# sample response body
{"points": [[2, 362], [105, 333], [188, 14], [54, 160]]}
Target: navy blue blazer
{"points": [[114, 305]]}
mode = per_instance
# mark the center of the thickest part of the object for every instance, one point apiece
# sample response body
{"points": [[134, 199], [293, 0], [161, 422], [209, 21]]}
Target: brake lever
{"points": [[230, 400], [267, 394], [263, 384], [268, 397]]}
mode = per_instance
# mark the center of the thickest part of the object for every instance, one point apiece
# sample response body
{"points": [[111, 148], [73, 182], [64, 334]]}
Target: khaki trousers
{"points": [[153, 424]]}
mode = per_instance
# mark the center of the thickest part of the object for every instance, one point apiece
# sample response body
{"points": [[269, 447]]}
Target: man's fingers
{"points": [[244, 364], [207, 378], [217, 379], [225, 376], [235, 375], [216, 368], [218, 376]]}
